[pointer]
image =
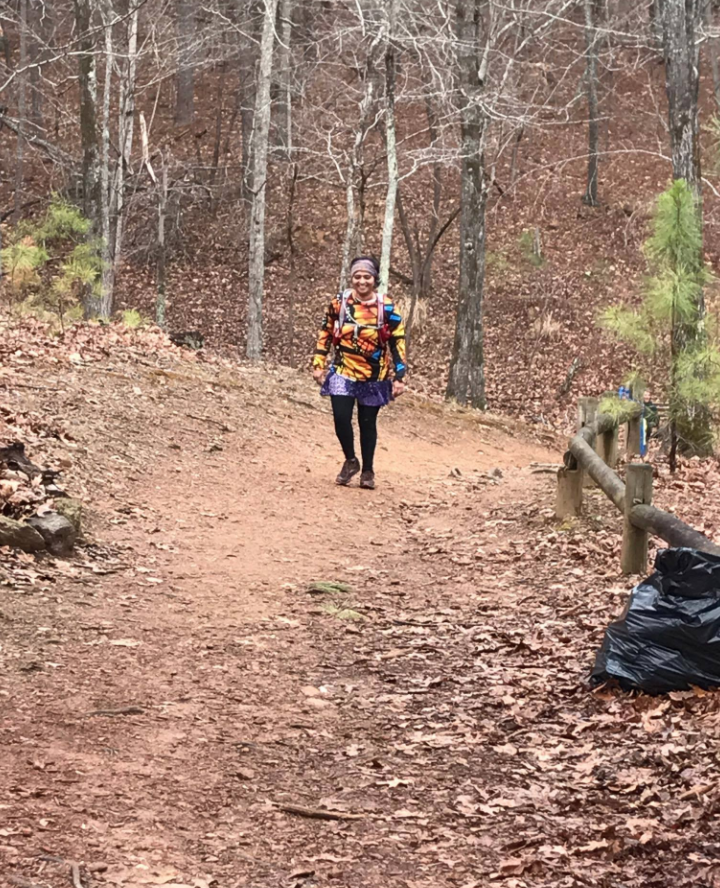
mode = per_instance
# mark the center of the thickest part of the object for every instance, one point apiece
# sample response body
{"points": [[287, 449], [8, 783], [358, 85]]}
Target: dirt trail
{"points": [[159, 714], [275, 516], [178, 709]]}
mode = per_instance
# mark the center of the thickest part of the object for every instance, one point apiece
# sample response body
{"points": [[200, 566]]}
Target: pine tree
{"points": [[669, 329], [51, 265]]}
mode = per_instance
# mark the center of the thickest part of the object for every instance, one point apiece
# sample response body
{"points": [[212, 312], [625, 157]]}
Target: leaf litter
{"points": [[457, 741]]}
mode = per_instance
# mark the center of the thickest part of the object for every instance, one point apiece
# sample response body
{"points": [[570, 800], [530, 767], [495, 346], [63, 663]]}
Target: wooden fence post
{"points": [[587, 412], [569, 492], [606, 446], [638, 491], [633, 436]]}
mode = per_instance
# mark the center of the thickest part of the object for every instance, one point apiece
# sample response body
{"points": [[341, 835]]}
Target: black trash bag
{"points": [[668, 637]]}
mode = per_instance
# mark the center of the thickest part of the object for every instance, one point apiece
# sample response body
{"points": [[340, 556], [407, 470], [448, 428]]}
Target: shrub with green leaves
{"points": [[21, 261], [133, 320], [669, 329], [51, 265]]}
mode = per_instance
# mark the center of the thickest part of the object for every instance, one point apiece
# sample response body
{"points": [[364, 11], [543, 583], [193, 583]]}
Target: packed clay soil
{"points": [[181, 707]]}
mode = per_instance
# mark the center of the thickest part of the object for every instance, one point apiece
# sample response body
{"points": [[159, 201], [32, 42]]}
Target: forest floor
{"points": [[179, 709]]}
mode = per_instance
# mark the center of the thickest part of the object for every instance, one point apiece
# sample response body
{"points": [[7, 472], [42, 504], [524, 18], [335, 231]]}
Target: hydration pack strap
{"points": [[340, 322], [343, 307], [384, 332], [382, 326]]}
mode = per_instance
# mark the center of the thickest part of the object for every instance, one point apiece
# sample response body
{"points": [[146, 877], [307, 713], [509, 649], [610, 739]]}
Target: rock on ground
{"points": [[72, 509], [57, 532], [20, 536]]}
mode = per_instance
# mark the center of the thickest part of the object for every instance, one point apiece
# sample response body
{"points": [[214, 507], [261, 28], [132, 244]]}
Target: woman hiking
{"points": [[363, 327]]}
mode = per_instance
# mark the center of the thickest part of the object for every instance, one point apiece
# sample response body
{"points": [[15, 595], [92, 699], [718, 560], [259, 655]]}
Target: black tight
{"points": [[342, 406]]}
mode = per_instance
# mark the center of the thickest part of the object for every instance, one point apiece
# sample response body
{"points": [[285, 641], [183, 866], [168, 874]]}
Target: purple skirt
{"points": [[369, 394]]}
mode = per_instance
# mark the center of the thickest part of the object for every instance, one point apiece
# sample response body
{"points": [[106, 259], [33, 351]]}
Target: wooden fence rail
{"points": [[592, 454]]}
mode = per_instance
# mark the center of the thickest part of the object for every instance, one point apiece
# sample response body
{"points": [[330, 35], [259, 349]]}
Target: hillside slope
{"points": [[179, 709], [541, 312]]}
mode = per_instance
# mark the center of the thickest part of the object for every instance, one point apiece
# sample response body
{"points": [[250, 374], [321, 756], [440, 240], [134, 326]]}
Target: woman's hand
{"points": [[398, 388], [319, 375]]}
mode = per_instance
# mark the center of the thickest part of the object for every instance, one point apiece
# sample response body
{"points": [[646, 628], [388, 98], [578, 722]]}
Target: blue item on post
{"points": [[625, 394], [643, 432]]}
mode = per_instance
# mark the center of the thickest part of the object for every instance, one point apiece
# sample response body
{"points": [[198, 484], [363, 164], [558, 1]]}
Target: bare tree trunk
{"points": [[84, 10], [256, 276], [283, 81], [412, 245], [713, 51], [466, 383], [5, 48], [161, 300], [350, 246], [37, 17], [426, 276], [91, 185], [681, 26], [247, 100], [185, 97], [22, 112], [715, 68], [592, 17], [421, 259], [519, 133], [391, 148], [106, 300], [656, 13], [6, 54], [126, 130], [289, 228], [355, 177], [219, 103]]}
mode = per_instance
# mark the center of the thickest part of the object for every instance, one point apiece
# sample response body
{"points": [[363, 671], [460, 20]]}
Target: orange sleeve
{"points": [[325, 336]]}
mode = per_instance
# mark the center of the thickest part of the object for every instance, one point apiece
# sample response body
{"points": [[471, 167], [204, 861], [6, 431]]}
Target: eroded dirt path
{"points": [[175, 706], [160, 714]]}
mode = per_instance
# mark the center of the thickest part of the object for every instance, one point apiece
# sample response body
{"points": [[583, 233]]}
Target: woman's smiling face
{"points": [[363, 283]]}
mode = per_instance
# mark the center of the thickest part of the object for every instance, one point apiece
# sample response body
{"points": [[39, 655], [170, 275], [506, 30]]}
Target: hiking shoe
{"points": [[367, 480], [350, 468]]}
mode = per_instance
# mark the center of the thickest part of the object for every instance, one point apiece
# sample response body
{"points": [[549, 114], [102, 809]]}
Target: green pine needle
{"points": [[621, 410], [668, 328], [52, 264]]}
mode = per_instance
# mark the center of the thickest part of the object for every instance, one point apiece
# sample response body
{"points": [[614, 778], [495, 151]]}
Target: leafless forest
{"points": [[499, 157]]}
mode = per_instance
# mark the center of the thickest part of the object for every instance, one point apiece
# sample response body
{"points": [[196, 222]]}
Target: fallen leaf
{"points": [[598, 845]]}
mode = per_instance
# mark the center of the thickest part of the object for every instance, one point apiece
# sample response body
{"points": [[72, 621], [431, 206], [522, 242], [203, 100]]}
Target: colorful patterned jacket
{"points": [[361, 354]]}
